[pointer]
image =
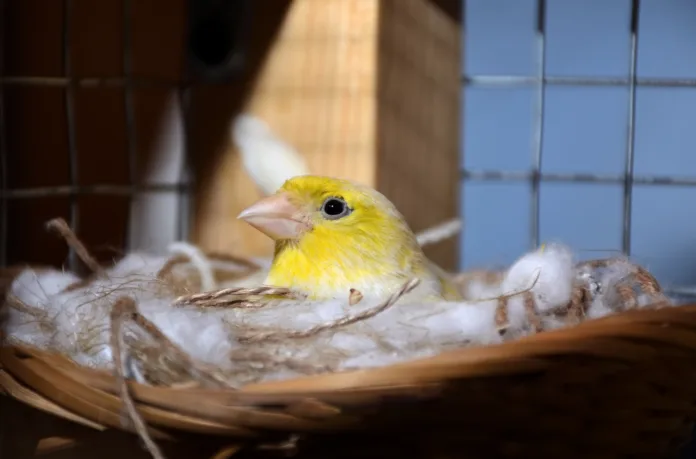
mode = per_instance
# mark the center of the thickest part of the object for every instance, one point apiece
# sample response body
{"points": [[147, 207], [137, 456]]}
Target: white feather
{"points": [[268, 160]]}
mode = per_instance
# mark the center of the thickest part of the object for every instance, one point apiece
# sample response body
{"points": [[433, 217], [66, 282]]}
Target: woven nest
{"points": [[617, 387]]}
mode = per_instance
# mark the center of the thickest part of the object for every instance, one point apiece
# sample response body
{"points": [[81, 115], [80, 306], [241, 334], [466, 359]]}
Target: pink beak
{"points": [[276, 217]]}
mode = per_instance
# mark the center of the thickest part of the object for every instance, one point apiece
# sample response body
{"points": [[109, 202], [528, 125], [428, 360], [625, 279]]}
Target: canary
{"points": [[332, 235]]}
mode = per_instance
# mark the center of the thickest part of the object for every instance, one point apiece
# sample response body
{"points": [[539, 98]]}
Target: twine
{"points": [[124, 308], [342, 322], [216, 297], [61, 227]]}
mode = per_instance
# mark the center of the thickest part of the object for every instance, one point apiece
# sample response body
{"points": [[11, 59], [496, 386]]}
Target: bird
{"points": [[333, 235], [267, 159]]}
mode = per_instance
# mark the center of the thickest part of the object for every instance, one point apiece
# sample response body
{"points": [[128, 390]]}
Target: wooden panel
{"points": [[418, 116], [316, 89]]}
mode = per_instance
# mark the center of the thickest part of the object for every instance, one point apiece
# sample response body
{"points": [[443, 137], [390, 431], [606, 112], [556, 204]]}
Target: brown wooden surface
{"points": [[316, 89], [418, 124]]}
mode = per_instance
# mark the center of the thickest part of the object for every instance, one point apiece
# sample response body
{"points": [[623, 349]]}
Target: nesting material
{"points": [[150, 313]]}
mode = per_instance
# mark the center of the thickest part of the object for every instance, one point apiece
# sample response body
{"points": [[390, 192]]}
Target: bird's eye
{"points": [[335, 208]]}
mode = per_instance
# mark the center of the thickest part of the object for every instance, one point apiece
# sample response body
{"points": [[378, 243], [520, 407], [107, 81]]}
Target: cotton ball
{"points": [[82, 321], [606, 299], [36, 287], [370, 360], [352, 343], [550, 274], [516, 315], [464, 322], [202, 334], [598, 308], [138, 264], [478, 289]]}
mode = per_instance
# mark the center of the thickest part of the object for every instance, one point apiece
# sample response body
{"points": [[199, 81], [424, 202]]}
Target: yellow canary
{"points": [[332, 235]]}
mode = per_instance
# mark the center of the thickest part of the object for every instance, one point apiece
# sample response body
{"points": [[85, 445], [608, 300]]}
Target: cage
{"points": [[299, 61], [117, 116]]}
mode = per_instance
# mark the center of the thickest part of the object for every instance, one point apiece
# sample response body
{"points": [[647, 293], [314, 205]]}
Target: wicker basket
{"points": [[618, 387]]}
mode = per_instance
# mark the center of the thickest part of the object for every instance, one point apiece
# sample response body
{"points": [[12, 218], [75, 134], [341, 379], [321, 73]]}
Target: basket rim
{"points": [[322, 403]]}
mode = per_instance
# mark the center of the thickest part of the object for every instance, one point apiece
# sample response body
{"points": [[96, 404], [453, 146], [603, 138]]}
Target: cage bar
{"points": [[539, 122], [184, 201], [129, 109], [88, 82], [468, 80], [513, 81], [4, 175], [516, 176], [70, 118], [104, 190], [630, 148]]}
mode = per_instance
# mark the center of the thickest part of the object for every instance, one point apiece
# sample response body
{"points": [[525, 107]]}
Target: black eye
{"points": [[334, 208]]}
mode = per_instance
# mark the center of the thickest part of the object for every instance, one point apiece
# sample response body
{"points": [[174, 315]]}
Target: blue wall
{"points": [[585, 131]]}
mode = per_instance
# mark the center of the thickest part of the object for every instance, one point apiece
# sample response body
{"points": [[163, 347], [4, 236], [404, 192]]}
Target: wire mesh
{"points": [[69, 94], [540, 81], [70, 83], [3, 148]]}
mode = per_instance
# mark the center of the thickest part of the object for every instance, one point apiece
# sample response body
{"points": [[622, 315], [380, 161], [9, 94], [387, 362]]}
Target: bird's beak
{"points": [[277, 217]]}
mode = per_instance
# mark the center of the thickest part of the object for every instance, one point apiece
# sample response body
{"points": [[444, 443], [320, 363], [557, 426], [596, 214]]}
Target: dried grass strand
{"points": [[206, 376], [166, 270], [61, 227], [202, 298], [342, 322], [123, 308], [15, 303]]}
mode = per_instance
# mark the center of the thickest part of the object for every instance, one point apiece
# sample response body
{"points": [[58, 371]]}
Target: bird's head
{"points": [[332, 212]]}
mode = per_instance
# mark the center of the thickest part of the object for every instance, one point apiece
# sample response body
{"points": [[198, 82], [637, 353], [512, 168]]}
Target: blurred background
{"points": [[534, 120]]}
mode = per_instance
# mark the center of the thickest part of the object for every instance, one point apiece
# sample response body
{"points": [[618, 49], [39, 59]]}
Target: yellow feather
{"points": [[372, 249]]}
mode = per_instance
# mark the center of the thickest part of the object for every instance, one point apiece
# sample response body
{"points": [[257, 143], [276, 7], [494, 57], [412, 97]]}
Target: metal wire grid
{"points": [[535, 176], [70, 84]]}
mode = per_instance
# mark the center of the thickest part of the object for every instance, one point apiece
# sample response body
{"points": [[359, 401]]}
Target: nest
{"points": [[162, 387]]}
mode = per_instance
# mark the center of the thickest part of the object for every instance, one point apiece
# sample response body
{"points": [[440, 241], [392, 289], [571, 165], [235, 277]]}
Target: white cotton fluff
{"points": [[198, 260], [603, 282], [80, 325], [548, 273]]}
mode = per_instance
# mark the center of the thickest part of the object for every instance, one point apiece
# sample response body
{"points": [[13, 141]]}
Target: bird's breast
{"points": [[326, 276]]}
